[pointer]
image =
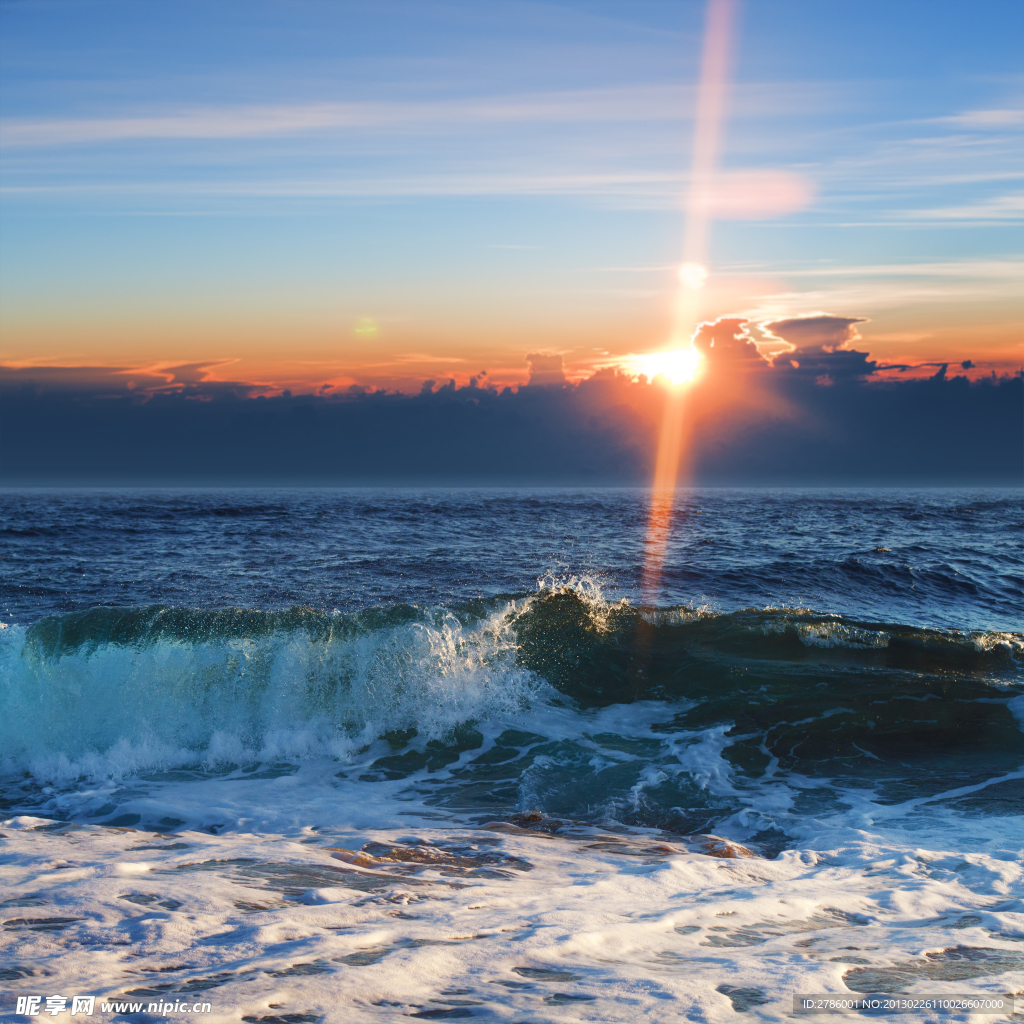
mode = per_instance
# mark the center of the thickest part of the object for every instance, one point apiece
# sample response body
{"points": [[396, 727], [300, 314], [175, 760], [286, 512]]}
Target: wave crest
{"points": [[171, 682], [89, 691]]}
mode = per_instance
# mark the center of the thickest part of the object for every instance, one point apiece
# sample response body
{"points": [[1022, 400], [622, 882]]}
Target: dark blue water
{"points": [[854, 638], [944, 558]]}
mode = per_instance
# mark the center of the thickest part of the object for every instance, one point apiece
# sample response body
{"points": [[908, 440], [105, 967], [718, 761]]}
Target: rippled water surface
{"points": [[933, 557]]}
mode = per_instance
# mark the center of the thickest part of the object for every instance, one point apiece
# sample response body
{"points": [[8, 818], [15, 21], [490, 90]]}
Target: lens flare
{"points": [[693, 275], [681, 363], [366, 327]]}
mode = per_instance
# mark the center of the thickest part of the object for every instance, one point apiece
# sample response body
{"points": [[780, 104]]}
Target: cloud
{"points": [[190, 373], [726, 341], [996, 208], [816, 331], [545, 369], [831, 419], [1005, 117], [244, 122], [819, 347], [97, 380], [139, 382], [1012, 269], [625, 103], [637, 182]]}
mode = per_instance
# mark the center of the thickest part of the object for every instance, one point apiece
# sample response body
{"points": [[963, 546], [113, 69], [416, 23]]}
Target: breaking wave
{"points": [[166, 685]]}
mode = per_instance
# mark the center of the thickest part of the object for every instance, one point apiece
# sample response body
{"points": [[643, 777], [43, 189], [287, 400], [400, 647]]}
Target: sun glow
{"points": [[678, 366]]}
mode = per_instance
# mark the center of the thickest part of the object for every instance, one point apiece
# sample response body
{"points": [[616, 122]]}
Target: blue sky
{"points": [[243, 183]]}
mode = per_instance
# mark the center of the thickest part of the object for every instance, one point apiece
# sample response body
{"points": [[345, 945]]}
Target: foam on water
{"points": [[527, 921]]}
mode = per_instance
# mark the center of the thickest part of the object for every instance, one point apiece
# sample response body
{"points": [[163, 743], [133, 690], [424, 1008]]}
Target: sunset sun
{"points": [[677, 366]]}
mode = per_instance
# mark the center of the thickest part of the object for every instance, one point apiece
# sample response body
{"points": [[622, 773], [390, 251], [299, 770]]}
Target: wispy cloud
{"points": [[234, 123], [483, 183], [997, 208], [983, 119], [875, 288], [751, 195], [985, 269], [874, 296], [632, 103], [626, 141]]}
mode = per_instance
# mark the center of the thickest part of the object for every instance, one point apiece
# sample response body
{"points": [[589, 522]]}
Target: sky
{"points": [[329, 198]]}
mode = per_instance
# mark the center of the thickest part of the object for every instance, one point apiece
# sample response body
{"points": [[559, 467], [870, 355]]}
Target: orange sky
{"points": [[398, 345]]}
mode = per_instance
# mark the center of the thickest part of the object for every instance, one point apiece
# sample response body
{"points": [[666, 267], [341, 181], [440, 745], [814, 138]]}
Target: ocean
{"points": [[392, 754]]}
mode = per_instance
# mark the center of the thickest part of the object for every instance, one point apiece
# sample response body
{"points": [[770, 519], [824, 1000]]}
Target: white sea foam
{"points": [[264, 919]]}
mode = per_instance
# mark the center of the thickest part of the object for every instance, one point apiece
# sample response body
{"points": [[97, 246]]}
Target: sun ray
{"points": [[682, 360]]}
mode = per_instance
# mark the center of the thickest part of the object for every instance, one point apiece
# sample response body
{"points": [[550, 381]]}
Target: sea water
{"points": [[373, 755]]}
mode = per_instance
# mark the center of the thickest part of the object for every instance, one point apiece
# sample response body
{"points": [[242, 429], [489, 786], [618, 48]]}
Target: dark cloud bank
{"points": [[819, 415]]}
